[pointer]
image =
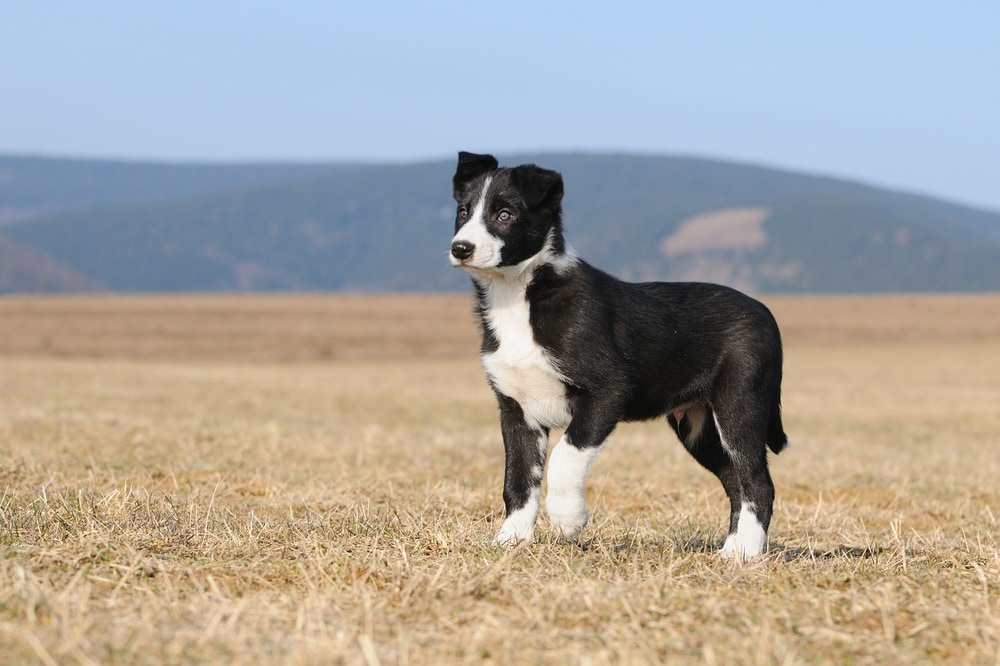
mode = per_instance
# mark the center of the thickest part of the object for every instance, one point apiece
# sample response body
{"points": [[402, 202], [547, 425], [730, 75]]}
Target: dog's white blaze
{"points": [[520, 368], [487, 246], [520, 525], [566, 503], [750, 538]]}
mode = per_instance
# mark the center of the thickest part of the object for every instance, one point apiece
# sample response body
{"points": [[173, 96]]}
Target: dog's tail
{"points": [[777, 440]]}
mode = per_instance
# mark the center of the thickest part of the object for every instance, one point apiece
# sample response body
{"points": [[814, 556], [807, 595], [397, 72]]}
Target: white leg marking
{"points": [[750, 538], [565, 502], [722, 437], [520, 525], [543, 449]]}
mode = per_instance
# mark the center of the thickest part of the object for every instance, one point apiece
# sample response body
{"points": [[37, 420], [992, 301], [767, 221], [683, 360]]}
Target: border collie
{"points": [[566, 345]]}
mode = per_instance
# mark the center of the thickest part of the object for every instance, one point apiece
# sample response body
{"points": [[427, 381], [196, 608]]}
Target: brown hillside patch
{"points": [[726, 229], [25, 267]]}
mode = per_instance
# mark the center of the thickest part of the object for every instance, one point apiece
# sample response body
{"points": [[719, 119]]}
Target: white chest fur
{"points": [[520, 368]]}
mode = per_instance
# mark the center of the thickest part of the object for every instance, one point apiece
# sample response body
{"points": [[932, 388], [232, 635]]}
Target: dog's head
{"points": [[505, 217]]}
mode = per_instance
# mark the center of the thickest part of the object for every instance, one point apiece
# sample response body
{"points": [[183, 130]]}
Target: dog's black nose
{"points": [[462, 250]]}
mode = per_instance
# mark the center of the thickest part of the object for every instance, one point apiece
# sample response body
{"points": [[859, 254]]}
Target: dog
{"points": [[566, 345]]}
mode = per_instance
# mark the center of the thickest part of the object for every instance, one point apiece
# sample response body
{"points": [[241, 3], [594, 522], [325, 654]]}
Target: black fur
{"points": [[697, 353]]}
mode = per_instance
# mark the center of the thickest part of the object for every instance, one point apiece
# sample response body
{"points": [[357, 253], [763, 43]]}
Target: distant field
{"points": [[315, 479], [309, 328]]}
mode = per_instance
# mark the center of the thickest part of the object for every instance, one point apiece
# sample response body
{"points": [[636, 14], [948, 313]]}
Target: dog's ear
{"points": [[537, 185], [471, 166]]}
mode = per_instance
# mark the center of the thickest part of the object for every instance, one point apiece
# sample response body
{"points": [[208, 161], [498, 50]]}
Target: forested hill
{"points": [[76, 225]]}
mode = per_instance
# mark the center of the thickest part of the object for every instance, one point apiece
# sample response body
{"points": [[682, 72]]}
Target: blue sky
{"points": [[901, 94]]}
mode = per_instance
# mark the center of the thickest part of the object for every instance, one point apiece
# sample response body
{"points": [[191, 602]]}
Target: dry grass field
{"points": [[315, 480]]}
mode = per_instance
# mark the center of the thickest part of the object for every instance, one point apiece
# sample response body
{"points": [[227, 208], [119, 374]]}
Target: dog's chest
{"points": [[520, 368]]}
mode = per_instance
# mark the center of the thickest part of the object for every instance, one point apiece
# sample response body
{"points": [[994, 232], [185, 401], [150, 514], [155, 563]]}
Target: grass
{"points": [[314, 498]]}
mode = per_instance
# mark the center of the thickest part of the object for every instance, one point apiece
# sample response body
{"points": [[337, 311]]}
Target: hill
{"points": [[26, 270], [29, 185], [387, 227]]}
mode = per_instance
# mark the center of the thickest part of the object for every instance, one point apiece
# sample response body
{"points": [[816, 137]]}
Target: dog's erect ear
{"points": [[471, 166], [537, 185]]}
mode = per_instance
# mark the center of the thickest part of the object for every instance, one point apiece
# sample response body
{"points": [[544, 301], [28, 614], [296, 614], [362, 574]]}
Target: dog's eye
{"points": [[463, 213], [505, 216]]}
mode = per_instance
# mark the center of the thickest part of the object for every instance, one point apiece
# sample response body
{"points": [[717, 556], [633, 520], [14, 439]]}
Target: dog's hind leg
{"points": [[696, 429], [525, 446], [743, 434]]}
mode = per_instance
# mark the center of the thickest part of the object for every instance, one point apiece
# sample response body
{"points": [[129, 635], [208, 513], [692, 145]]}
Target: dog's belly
{"points": [[537, 388]]}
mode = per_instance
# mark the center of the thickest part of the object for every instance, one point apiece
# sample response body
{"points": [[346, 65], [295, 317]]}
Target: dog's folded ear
{"points": [[471, 166], [537, 185]]}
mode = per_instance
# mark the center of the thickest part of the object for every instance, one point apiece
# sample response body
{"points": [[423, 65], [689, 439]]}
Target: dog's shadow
{"points": [[842, 552], [699, 544]]}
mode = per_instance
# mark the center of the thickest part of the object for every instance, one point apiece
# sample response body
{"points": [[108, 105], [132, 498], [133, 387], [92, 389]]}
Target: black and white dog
{"points": [[566, 345]]}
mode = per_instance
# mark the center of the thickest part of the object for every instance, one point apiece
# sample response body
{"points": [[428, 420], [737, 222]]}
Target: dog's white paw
{"points": [[510, 536], [732, 548], [568, 514], [519, 525], [750, 539]]}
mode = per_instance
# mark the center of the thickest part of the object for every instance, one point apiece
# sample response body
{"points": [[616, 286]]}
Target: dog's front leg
{"points": [[525, 446], [569, 464]]}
